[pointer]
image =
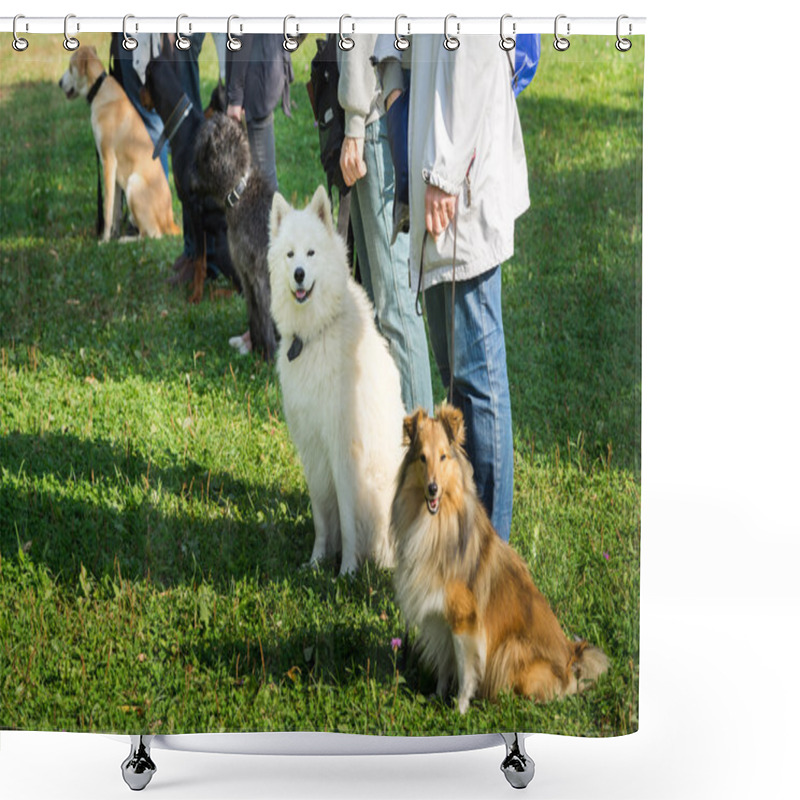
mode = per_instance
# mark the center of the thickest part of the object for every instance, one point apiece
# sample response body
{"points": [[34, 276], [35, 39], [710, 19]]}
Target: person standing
{"points": [[366, 164], [467, 186]]}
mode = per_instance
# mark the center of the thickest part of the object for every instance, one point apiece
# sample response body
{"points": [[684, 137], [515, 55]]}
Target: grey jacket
{"points": [[464, 137], [359, 91]]}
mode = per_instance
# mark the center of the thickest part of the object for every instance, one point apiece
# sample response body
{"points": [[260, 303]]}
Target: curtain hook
{"points": [[233, 44], [181, 42], [128, 42], [560, 43], [507, 42], [623, 45], [400, 42], [70, 42], [19, 44], [289, 43], [451, 42], [346, 42]]}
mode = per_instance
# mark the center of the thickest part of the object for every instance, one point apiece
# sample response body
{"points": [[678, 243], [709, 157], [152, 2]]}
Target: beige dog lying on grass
{"points": [[125, 148]]}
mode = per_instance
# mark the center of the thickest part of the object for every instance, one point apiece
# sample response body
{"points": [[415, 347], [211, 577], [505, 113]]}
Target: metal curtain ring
{"points": [[345, 42], [289, 44], [623, 45], [451, 42], [128, 42], [560, 43], [400, 42], [233, 44], [181, 42], [507, 42], [70, 42], [19, 44]]}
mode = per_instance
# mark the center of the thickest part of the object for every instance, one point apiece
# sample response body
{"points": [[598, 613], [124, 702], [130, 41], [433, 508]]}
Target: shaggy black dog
{"points": [[224, 171], [182, 122]]}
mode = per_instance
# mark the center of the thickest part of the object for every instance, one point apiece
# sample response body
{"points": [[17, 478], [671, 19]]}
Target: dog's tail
{"points": [[171, 228], [588, 663]]}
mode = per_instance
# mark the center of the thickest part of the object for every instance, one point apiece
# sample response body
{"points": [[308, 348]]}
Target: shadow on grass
{"points": [[113, 511]]}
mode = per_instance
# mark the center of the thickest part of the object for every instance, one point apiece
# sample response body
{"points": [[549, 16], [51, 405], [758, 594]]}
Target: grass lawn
{"points": [[153, 512]]}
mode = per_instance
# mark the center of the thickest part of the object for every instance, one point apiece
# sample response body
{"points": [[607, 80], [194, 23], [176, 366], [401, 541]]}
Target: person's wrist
{"points": [[392, 96]]}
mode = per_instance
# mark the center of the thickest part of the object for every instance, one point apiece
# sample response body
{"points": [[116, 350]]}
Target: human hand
{"points": [[440, 208], [393, 95], [234, 112], [351, 159]]}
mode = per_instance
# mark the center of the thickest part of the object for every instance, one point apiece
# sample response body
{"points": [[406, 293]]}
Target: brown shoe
{"points": [[183, 271]]}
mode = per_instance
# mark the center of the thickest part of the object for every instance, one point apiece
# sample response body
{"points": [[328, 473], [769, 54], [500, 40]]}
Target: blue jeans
{"points": [[384, 270], [261, 137], [480, 383]]}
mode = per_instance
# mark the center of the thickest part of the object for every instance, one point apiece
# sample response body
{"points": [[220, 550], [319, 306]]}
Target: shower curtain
{"points": [[154, 514]]}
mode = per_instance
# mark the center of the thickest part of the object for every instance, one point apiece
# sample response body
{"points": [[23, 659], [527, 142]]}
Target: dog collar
{"points": [[95, 87], [233, 197], [175, 120], [295, 349]]}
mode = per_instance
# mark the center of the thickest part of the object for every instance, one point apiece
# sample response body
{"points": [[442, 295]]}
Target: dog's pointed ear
{"points": [[321, 206], [411, 425], [453, 423], [280, 208]]}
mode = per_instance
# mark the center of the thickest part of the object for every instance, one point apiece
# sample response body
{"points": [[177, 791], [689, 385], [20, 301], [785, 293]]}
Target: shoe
{"points": [[183, 271]]}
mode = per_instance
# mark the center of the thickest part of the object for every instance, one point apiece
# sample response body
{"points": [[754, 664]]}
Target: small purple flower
{"points": [[606, 556], [397, 644]]}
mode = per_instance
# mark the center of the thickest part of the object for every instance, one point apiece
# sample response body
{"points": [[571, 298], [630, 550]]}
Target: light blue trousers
{"points": [[385, 271]]}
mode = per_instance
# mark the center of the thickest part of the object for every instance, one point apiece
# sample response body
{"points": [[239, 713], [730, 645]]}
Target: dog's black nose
{"points": [[299, 276], [433, 489]]}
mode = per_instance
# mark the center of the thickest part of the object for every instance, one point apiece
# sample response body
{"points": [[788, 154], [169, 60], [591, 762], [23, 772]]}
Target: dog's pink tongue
{"points": [[300, 294]]}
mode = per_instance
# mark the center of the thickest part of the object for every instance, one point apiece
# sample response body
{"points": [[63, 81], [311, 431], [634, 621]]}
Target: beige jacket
{"points": [[464, 137], [359, 91]]}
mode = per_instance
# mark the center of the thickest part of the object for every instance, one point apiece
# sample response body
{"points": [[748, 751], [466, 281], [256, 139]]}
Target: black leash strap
{"points": [[174, 121], [419, 306]]}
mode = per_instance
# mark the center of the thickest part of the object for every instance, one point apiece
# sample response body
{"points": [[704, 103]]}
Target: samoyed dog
{"points": [[340, 385]]}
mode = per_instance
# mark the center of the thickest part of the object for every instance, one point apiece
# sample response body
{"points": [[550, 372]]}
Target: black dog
{"points": [[182, 122], [224, 170]]}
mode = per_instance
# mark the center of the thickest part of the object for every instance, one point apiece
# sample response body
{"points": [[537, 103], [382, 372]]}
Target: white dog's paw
{"points": [[348, 569], [240, 344]]}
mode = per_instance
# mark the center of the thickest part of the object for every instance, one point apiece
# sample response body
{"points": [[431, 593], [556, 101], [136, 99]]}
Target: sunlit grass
{"points": [[153, 513]]}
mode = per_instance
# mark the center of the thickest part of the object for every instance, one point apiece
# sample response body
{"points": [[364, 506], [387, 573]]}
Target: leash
{"points": [[420, 307], [174, 121]]}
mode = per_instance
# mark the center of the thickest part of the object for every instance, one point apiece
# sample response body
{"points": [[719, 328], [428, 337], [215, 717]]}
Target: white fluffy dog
{"points": [[341, 388]]}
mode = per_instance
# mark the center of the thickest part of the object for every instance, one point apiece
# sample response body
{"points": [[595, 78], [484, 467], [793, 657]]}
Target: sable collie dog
{"points": [[480, 617]]}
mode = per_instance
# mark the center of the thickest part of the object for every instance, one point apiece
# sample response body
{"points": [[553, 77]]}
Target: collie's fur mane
{"points": [[482, 622]]}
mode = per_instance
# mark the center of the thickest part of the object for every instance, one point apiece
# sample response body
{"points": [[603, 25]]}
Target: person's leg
{"points": [[261, 135], [384, 270], [480, 385], [187, 68], [188, 71]]}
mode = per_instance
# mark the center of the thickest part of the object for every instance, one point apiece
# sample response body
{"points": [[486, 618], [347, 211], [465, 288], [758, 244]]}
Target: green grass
{"points": [[154, 518]]}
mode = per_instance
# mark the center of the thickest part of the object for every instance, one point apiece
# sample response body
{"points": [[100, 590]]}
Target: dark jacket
{"points": [[258, 75]]}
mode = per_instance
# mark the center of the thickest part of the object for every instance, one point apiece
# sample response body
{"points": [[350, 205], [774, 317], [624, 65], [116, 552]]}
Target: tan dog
{"points": [[480, 617], [124, 145]]}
